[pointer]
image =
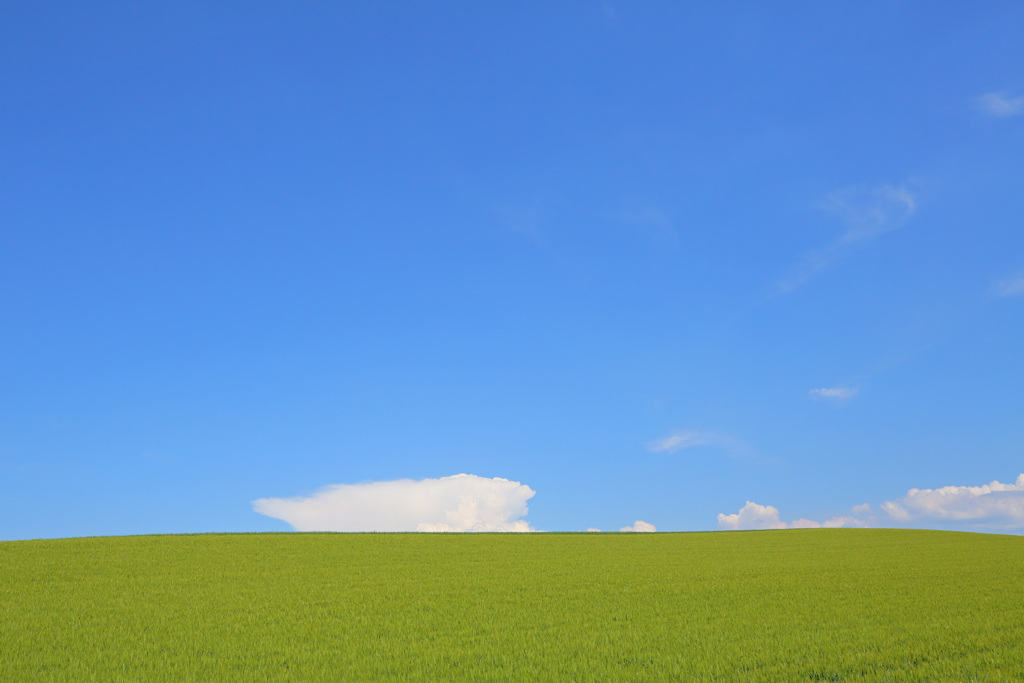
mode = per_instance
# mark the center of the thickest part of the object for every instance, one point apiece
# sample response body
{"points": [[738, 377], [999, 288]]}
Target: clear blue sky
{"points": [[652, 260]]}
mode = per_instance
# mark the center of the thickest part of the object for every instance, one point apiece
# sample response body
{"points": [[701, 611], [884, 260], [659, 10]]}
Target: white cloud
{"points": [[754, 516], [991, 506], [1011, 286], [843, 521], [835, 393], [463, 502], [593, 529], [994, 505], [867, 214], [799, 524], [639, 525], [1000, 105], [862, 509]]}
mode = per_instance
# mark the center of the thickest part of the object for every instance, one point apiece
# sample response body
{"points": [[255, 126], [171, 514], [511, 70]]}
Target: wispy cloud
{"points": [[867, 214], [834, 393], [754, 516], [681, 440], [650, 221], [639, 525], [995, 505], [462, 502], [1001, 105], [692, 438], [608, 12], [1010, 286]]}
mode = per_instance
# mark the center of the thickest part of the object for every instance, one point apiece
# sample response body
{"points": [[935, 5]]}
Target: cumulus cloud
{"points": [[1011, 286], [994, 505], [1000, 105], [593, 529], [754, 516], [639, 525], [843, 521], [835, 393], [462, 502], [867, 214]]}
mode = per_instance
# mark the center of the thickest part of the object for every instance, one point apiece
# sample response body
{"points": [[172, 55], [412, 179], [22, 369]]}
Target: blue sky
{"points": [[664, 262]]}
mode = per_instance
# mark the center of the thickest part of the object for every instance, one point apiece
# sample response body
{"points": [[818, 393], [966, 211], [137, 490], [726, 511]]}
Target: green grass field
{"points": [[818, 605]]}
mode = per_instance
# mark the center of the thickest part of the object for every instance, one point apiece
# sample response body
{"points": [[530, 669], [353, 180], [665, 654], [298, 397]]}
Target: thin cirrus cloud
{"points": [[1000, 105], [693, 438], [1011, 286], [867, 214], [462, 502], [838, 394], [681, 440], [656, 226]]}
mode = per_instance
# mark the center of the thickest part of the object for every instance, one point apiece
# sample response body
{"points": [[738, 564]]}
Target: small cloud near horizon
{"points": [[994, 505], [1000, 105], [754, 516], [462, 502], [862, 509], [639, 525]]}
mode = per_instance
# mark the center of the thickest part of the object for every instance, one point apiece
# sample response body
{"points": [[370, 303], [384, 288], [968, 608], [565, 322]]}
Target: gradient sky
{"points": [[651, 260]]}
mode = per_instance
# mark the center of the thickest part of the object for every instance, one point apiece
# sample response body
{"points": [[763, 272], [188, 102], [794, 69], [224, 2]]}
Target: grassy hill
{"points": [[828, 604]]}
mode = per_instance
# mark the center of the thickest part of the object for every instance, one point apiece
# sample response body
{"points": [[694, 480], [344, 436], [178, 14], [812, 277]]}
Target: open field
{"points": [[834, 605]]}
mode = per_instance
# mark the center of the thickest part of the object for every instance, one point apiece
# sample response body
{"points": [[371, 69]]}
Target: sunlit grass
{"points": [[831, 605]]}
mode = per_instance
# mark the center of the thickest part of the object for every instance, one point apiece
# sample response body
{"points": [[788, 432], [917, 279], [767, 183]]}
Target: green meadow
{"points": [[814, 605]]}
